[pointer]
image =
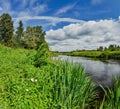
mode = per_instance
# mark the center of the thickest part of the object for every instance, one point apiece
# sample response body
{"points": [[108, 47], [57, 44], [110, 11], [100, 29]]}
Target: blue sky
{"points": [[69, 24]]}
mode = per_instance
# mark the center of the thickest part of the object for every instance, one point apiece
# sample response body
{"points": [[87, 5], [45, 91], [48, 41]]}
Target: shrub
{"points": [[41, 57]]}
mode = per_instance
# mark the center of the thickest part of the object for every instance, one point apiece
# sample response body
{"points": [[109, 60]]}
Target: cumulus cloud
{"points": [[86, 35], [119, 18]]}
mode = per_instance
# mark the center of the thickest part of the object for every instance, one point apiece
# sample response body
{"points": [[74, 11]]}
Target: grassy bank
{"points": [[59, 85], [95, 54]]}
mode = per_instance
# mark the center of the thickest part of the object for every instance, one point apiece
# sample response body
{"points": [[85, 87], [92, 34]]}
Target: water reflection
{"points": [[100, 72]]}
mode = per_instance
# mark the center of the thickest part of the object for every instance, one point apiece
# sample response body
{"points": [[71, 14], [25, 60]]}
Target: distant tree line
{"points": [[112, 47], [29, 38]]}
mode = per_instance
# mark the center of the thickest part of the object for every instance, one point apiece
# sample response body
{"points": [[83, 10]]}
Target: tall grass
{"points": [[112, 96], [71, 88]]}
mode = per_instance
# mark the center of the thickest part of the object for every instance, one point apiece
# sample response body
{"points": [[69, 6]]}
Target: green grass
{"points": [[96, 54], [112, 96], [59, 85], [87, 53], [72, 89]]}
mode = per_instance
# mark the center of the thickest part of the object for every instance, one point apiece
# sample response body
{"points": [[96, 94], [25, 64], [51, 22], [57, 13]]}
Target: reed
{"points": [[72, 89], [112, 96]]}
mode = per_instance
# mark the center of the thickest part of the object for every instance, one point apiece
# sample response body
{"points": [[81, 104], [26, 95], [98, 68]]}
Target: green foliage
{"points": [[107, 54], [23, 86], [6, 29], [111, 47], [112, 52], [71, 88], [112, 96], [100, 48], [110, 55], [19, 33], [58, 86], [20, 29], [42, 55], [33, 37], [85, 53]]}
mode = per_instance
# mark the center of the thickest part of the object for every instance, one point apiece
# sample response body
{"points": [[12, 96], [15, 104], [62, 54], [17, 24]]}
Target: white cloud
{"points": [[86, 35], [39, 9], [5, 5], [52, 20], [119, 18], [65, 9], [25, 6]]}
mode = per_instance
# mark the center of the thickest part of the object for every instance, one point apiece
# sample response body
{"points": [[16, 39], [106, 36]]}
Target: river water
{"points": [[101, 72]]}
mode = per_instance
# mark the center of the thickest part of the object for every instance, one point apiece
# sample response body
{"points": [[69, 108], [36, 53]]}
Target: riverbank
{"points": [[59, 85], [95, 54]]}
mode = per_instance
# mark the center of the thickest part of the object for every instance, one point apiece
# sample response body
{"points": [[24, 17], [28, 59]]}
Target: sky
{"points": [[69, 24]]}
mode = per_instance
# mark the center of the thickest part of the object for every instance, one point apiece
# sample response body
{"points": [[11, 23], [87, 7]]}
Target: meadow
{"points": [[56, 85]]}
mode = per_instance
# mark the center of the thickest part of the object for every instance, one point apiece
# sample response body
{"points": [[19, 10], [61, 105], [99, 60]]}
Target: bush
{"points": [[41, 57]]}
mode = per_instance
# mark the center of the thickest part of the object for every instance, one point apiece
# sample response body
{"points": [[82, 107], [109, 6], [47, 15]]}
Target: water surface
{"points": [[100, 71]]}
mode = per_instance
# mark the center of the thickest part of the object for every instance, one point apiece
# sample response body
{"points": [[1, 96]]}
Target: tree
{"points": [[33, 37], [100, 48], [19, 32], [105, 49], [6, 29], [111, 47], [20, 29]]}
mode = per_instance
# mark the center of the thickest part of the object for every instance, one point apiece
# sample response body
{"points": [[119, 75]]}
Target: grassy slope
{"points": [[15, 72], [23, 86]]}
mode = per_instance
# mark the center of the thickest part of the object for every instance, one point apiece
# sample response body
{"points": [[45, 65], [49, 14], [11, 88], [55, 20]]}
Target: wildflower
{"points": [[26, 90], [33, 80]]}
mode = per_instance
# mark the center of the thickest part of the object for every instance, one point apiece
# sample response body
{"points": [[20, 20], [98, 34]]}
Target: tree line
{"points": [[111, 47], [29, 38]]}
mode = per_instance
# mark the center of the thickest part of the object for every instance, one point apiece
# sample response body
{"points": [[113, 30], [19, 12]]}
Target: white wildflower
{"points": [[33, 80], [26, 90]]}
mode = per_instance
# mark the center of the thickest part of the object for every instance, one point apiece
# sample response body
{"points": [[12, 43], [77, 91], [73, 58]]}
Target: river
{"points": [[100, 71]]}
